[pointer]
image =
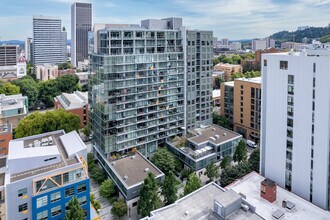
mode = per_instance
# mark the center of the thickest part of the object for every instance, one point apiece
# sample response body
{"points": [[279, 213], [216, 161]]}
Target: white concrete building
{"points": [[295, 129], [259, 44], [46, 72]]}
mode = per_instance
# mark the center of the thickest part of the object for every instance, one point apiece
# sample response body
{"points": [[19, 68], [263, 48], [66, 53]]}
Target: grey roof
{"points": [[72, 143], [135, 168], [74, 100], [213, 134], [199, 205], [278, 214]]}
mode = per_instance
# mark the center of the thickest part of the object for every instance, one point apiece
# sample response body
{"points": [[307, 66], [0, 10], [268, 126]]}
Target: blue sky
{"points": [[233, 19]]}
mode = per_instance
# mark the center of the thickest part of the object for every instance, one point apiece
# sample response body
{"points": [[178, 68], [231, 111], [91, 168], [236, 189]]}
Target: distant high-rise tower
{"points": [[28, 44], [81, 24], [49, 41]]}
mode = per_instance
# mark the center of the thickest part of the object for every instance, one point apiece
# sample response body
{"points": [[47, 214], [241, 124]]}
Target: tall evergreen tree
{"points": [[192, 184], [149, 199], [240, 152], [212, 171], [169, 190], [75, 212]]}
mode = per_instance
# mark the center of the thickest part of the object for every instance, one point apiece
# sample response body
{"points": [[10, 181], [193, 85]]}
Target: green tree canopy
{"points": [[38, 123], [193, 183], [149, 199], [8, 88], [225, 162], [164, 160], [169, 190], [75, 212], [68, 83], [64, 66], [107, 189], [220, 120], [217, 82], [28, 87], [47, 91], [212, 171], [119, 208], [254, 160], [240, 152], [231, 173]]}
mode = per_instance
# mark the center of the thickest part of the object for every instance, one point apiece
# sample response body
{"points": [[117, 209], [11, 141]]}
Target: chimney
{"points": [[268, 190]]}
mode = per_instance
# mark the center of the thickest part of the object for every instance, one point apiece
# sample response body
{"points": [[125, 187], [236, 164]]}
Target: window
{"points": [[41, 201], [283, 65], [56, 211], [82, 188], [22, 207], [82, 200], [290, 100], [42, 215], [314, 67], [291, 79], [290, 122], [290, 111], [22, 192], [290, 90], [55, 197], [265, 62], [289, 133], [241, 92], [289, 145], [69, 192]]}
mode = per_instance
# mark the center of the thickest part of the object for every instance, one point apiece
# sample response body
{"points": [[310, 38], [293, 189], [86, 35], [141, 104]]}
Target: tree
{"points": [[75, 212], [231, 173], [64, 66], [254, 160], [96, 204], [28, 87], [98, 174], [107, 189], [164, 160], [169, 189], [212, 171], [225, 162], [220, 120], [192, 184], [240, 152], [119, 208], [68, 83], [149, 199], [47, 91], [38, 123], [217, 82], [8, 88]]}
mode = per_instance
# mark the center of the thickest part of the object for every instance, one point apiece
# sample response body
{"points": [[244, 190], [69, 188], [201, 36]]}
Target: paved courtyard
{"points": [[105, 205]]}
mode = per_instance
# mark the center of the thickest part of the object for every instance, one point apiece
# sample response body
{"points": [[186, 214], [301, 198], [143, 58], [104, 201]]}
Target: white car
{"points": [[251, 144]]}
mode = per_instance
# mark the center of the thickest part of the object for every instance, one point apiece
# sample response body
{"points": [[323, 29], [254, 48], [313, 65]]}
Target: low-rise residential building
{"points": [[83, 78], [291, 45], [247, 107], [46, 72], [76, 103], [128, 173], [228, 69], [227, 101], [44, 172], [209, 202], [274, 202], [216, 97], [6, 135], [13, 109], [207, 144]]}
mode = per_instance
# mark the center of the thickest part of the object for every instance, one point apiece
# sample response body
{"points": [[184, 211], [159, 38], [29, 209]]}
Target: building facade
{"points": [[76, 103], [148, 84], [259, 44], [81, 24], [295, 123], [46, 72], [247, 106], [227, 101], [27, 51], [13, 109], [49, 41], [6, 135], [35, 193], [228, 69], [8, 55]]}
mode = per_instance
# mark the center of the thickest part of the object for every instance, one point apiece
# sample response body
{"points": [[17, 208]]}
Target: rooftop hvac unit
{"points": [[245, 207], [216, 136], [125, 177], [146, 170], [224, 134]]}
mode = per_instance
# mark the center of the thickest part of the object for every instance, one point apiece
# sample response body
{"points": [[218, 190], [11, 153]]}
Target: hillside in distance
{"points": [[321, 33]]}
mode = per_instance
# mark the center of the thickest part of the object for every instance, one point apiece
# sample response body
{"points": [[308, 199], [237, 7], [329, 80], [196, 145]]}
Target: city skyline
{"points": [[233, 20]]}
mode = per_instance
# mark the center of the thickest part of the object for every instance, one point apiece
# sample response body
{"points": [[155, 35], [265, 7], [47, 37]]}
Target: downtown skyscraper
{"points": [[148, 84], [49, 41], [81, 24]]}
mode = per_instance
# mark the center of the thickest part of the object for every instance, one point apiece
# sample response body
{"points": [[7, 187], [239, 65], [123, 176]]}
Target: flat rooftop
{"points": [[230, 83], [249, 185], [39, 147], [134, 169], [12, 102], [199, 205], [5, 129], [213, 134], [216, 93], [252, 80]]}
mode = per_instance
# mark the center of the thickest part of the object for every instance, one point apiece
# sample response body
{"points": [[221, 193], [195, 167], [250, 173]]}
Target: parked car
{"points": [[251, 144]]}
